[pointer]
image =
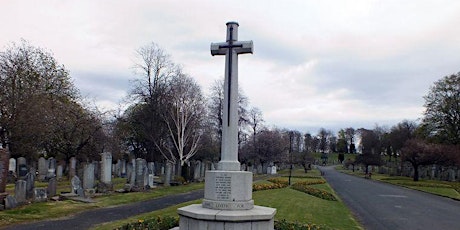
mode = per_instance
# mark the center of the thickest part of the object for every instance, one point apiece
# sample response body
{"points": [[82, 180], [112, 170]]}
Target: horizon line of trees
{"points": [[170, 119]]}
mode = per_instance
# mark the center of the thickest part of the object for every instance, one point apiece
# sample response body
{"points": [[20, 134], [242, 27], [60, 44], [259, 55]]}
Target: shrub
{"points": [[313, 191], [158, 223], [286, 225]]}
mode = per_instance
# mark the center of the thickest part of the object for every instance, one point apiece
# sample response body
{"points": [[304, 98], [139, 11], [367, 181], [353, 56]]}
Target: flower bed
{"points": [[313, 191], [158, 223], [278, 180], [312, 182], [259, 187]]}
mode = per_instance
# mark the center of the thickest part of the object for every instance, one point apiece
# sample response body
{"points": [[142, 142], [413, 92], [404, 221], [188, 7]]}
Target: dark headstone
{"points": [[20, 191], [72, 167], [30, 185], [10, 202], [52, 186], [22, 171]]}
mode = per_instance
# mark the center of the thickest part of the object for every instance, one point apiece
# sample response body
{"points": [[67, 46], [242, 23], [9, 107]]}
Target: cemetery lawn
{"points": [[58, 209], [440, 188], [291, 205]]}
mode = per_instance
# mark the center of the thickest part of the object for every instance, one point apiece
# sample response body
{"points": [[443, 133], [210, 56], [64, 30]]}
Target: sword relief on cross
{"points": [[231, 48]]}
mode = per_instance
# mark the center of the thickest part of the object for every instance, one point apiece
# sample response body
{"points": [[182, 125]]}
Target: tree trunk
{"points": [[415, 172]]}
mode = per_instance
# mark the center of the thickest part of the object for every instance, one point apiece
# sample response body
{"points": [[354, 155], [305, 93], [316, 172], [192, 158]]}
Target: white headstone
{"points": [[12, 165], [88, 176], [106, 168], [42, 168], [59, 171]]}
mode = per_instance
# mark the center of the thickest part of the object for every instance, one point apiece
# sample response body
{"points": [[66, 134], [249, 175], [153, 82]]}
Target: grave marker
{"points": [[20, 191], [106, 168]]}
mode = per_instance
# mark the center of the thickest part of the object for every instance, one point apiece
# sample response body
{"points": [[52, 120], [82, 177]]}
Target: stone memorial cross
{"points": [[231, 48], [227, 202]]}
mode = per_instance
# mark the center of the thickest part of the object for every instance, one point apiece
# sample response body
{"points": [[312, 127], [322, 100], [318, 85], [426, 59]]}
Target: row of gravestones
{"points": [[432, 172], [139, 173], [267, 168], [24, 186]]}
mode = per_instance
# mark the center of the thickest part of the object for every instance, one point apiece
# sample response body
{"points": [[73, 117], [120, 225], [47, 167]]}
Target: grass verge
{"points": [[59, 209], [441, 188], [291, 205]]}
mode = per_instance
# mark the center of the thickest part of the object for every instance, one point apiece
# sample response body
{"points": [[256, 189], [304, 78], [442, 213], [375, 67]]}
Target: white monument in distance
{"points": [[227, 202]]}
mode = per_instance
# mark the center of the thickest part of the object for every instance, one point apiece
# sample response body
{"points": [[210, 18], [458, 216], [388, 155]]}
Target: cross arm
{"points": [[217, 50], [244, 47]]}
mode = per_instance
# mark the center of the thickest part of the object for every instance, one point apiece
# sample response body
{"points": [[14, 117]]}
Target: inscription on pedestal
{"points": [[223, 187]]}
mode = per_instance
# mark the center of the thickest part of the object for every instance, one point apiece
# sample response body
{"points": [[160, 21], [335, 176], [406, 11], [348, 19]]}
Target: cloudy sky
{"points": [[331, 64]]}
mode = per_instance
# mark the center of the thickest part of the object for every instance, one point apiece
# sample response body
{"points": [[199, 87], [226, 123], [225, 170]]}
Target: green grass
{"points": [[291, 205], [441, 188], [49, 210]]}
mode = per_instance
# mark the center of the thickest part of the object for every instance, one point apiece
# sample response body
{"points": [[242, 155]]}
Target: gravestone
{"points": [[52, 186], [22, 171], [51, 172], [130, 174], [260, 169], [88, 176], [21, 160], [151, 182], [197, 170], [42, 169], [72, 167], [141, 173], [106, 168], [433, 172], [167, 179], [151, 167], [20, 191], [76, 186], [59, 171], [10, 201], [123, 168], [228, 202], [273, 170], [4, 162], [451, 174], [12, 165], [202, 169], [30, 185], [40, 195]]}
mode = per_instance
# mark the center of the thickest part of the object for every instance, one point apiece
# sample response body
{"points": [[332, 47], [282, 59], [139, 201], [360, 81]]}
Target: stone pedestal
{"points": [[228, 190], [196, 217], [227, 204]]}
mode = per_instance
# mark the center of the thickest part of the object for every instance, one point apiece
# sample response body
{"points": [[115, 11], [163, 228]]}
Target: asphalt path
{"points": [[87, 219], [379, 205]]}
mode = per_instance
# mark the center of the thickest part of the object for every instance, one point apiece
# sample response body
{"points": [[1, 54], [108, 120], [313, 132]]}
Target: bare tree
{"points": [[183, 118]]}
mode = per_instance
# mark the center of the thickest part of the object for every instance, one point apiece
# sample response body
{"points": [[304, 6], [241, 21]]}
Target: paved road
{"points": [[87, 219], [378, 205]]}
